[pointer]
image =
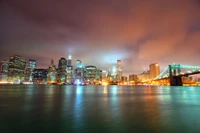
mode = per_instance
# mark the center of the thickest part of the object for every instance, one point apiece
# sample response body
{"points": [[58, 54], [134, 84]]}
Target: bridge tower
{"points": [[174, 72]]}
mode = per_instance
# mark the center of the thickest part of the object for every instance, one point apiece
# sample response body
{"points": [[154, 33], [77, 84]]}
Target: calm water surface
{"points": [[99, 109]]}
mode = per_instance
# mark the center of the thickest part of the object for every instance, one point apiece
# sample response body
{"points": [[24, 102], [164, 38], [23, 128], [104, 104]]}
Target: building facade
{"points": [[69, 75], [52, 74], [124, 79], [154, 70], [69, 61], [31, 65], [39, 76], [133, 78], [62, 66], [119, 70], [92, 74], [16, 69], [4, 71], [143, 76]]}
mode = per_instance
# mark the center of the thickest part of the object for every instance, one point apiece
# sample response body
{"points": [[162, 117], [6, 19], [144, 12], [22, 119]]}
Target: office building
{"points": [[4, 71], [52, 74], [39, 76], [62, 66], [154, 70], [92, 74], [30, 66], [119, 70], [133, 78], [69, 61], [69, 75], [79, 75], [124, 79], [144, 76], [16, 69]]}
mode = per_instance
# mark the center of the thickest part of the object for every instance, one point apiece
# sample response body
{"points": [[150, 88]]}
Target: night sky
{"points": [[99, 32]]}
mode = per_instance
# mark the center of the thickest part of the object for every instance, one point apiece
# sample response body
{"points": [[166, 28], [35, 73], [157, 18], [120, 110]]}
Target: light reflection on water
{"points": [[51, 108]]}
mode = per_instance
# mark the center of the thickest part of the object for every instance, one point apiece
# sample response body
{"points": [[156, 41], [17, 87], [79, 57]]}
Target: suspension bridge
{"points": [[174, 74]]}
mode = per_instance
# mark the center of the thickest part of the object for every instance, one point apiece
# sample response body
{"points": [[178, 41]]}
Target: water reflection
{"points": [[78, 107], [99, 108], [105, 91]]}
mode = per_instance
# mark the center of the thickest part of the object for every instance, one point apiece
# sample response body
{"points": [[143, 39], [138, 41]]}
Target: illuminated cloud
{"points": [[99, 32]]}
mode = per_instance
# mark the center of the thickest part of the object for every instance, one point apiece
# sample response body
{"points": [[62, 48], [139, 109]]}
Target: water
{"points": [[98, 109]]}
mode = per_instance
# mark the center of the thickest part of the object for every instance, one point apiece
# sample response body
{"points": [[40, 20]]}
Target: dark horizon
{"points": [[101, 32]]}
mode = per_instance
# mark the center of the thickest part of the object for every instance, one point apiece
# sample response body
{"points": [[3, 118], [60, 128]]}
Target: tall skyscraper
{"points": [[69, 75], [69, 61], [16, 69], [62, 66], [154, 70], [31, 65], [4, 71], [119, 70], [52, 73], [79, 72]]}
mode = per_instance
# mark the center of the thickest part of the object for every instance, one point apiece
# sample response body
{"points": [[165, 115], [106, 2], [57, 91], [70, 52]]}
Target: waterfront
{"points": [[81, 109]]}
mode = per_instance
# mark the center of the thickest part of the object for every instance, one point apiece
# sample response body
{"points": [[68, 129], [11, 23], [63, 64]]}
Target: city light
{"points": [[104, 83], [64, 74]]}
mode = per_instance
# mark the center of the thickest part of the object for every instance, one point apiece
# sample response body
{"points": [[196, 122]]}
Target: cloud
{"points": [[100, 32]]}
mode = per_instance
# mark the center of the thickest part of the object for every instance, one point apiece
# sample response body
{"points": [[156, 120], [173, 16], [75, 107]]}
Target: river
{"points": [[99, 109]]}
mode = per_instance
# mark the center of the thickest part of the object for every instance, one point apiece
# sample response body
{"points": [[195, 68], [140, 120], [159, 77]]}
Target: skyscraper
{"points": [[62, 66], [69, 74], [79, 72], [69, 61], [4, 71], [119, 70], [154, 70], [31, 65], [52, 74], [16, 69]]}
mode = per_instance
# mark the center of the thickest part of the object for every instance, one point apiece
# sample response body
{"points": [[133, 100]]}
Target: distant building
{"points": [[4, 71], [104, 74], [52, 74], [113, 76], [39, 76], [79, 75], [79, 64], [69, 75], [119, 70], [124, 79], [133, 78], [143, 76], [31, 65], [69, 61], [69, 71], [16, 69], [62, 66], [109, 75], [154, 70], [92, 74]]}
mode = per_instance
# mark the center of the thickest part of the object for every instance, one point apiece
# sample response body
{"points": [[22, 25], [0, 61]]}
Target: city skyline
{"points": [[117, 66], [138, 33]]}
